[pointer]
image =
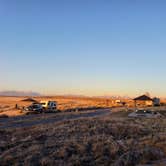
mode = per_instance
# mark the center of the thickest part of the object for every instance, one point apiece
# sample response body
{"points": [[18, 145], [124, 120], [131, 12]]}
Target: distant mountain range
{"points": [[19, 93]]}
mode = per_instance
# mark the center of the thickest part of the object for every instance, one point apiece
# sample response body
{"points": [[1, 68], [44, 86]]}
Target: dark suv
{"points": [[34, 108]]}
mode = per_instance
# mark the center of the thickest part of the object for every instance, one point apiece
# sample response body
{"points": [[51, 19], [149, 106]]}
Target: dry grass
{"points": [[111, 140], [7, 104]]}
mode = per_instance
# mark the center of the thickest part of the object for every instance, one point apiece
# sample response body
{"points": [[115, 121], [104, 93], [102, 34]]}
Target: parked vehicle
{"points": [[48, 105], [156, 101], [34, 108], [145, 113]]}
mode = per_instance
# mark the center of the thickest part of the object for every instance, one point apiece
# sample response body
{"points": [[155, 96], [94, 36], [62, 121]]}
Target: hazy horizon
{"points": [[35, 93], [92, 48]]}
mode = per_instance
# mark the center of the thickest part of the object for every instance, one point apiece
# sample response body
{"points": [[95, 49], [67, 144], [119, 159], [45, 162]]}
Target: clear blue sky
{"points": [[89, 47]]}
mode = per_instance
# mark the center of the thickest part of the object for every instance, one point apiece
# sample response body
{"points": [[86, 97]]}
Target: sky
{"points": [[83, 47]]}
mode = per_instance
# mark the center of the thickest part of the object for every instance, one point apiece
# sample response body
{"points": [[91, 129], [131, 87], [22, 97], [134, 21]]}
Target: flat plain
{"points": [[105, 136]]}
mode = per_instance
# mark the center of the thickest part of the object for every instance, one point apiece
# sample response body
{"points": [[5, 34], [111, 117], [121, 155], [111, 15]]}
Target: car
{"points": [[145, 113], [34, 108]]}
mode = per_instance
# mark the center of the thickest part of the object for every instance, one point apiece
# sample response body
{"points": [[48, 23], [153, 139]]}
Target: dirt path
{"points": [[38, 119]]}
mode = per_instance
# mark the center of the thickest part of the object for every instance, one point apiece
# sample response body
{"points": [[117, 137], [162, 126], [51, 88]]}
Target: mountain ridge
{"points": [[19, 93]]}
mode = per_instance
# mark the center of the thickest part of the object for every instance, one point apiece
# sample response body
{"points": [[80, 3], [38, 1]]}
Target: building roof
{"points": [[29, 100], [143, 98]]}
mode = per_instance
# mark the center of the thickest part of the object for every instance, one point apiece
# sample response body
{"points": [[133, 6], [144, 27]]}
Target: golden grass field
{"points": [[90, 138], [7, 104]]}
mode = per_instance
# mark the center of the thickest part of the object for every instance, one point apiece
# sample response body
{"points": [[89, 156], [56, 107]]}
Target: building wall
{"points": [[144, 103], [149, 103]]}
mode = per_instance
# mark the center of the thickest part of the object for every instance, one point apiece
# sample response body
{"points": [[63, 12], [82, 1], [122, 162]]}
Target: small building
{"points": [[156, 101], [143, 101], [30, 100]]}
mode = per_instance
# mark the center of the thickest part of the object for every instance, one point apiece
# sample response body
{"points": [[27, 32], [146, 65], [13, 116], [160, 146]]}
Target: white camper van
{"points": [[49, 105]]}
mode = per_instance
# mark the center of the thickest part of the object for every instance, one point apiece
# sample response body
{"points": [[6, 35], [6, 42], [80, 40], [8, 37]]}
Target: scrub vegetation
{"points": [[114, 140]]}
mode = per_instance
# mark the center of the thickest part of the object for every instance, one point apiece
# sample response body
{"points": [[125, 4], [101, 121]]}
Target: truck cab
{"points": [[49, 105]]}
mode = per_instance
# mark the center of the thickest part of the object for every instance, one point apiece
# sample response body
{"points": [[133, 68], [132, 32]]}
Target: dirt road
{"points": [[38, 119]]}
